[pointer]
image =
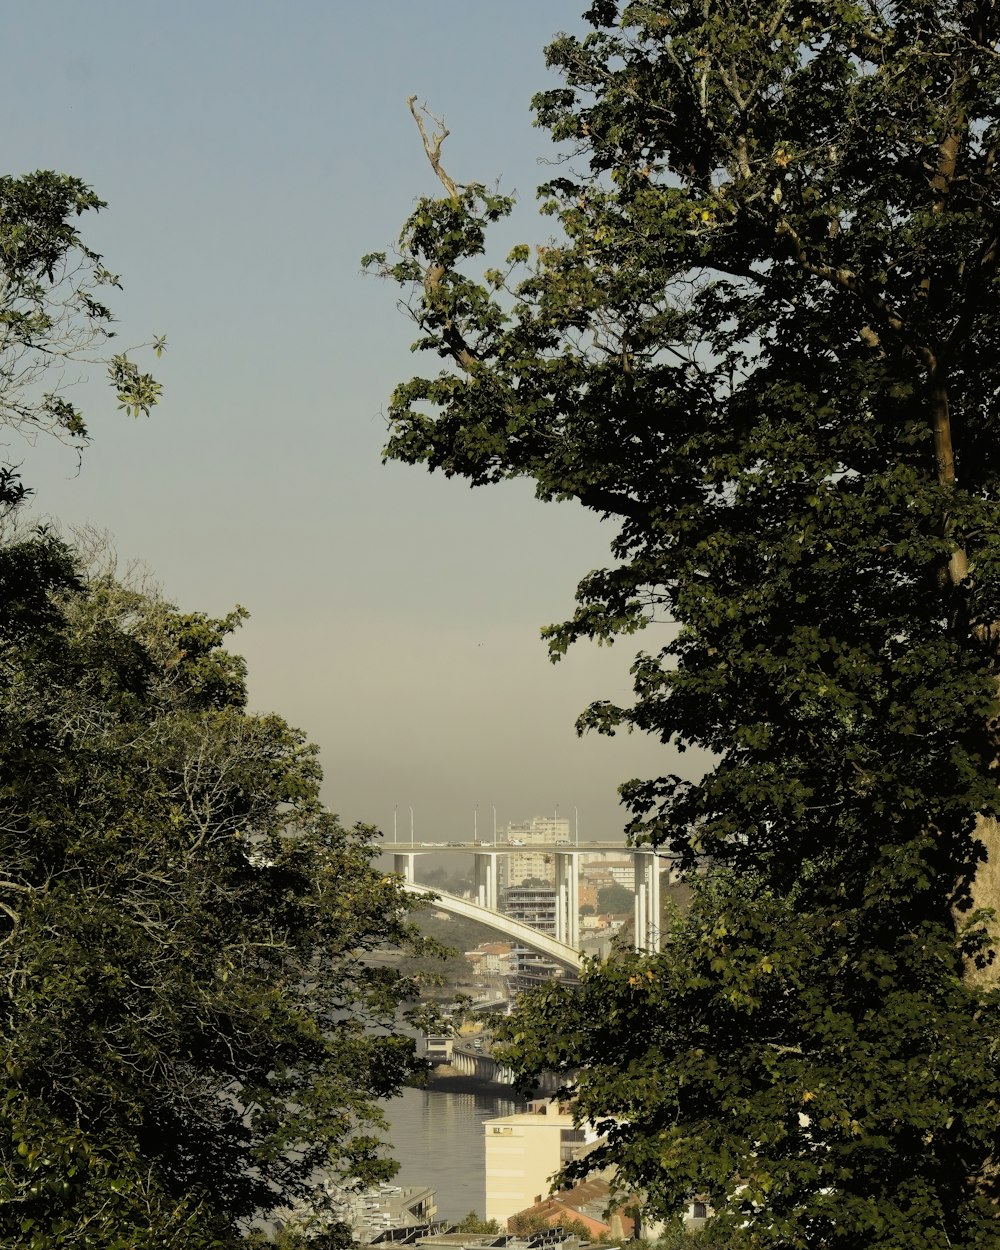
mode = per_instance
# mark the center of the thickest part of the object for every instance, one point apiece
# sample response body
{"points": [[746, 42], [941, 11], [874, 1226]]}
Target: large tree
{"points": [[764, 341], [190, 1024]]}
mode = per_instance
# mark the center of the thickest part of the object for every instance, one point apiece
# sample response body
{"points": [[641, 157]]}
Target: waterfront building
{"points": [[392, 1206], [590, 1203], [595, 924], [524, 1152]]}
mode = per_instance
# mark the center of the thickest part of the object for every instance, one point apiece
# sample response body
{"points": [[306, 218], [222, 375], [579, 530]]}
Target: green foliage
{"points": [[53, 312], [473, 1223], [527, 1223], [440, 966], [764, 343], [615, 899], [779, 1060], [190, 1022], [707, 1238], [291, 1238], [442, 962]]}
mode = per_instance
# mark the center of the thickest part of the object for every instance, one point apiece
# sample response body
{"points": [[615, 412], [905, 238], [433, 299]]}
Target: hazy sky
{"points": [[250, 153]]}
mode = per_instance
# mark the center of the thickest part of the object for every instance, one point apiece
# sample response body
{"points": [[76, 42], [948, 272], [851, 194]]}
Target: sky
{"points": [[250, 154]]}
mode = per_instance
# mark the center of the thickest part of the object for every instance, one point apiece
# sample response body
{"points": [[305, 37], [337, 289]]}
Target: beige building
{"points": [[539, 831], [523, 1154], [606, 870], [491, 958]]}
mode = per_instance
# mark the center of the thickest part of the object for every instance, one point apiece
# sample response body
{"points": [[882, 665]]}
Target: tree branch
{"points": [[611, 503], [847, 280], [432, 143]]}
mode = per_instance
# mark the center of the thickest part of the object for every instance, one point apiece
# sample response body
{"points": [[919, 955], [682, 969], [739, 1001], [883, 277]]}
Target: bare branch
{"points": [[432, 142]]}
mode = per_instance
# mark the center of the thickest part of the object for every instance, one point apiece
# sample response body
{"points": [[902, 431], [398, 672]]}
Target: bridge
{"points": [[484, 906], [469, 1059], [544, 943]]}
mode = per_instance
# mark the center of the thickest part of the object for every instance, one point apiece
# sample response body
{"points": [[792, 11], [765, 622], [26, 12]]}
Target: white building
{"points": [[620, 870]]}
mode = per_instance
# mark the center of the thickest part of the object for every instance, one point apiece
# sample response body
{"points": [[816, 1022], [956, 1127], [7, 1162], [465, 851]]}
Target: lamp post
{"points": [[395, 811], [411, 826], [576, 822]]}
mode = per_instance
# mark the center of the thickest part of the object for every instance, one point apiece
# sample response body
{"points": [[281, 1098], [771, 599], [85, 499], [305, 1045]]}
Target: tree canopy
{"points": [[763, 342], [53, 314], [190, 1024], [615, 898]]}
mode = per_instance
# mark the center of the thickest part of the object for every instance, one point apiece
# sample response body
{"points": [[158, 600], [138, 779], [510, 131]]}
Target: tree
{"points": [[527, 1224], [53, 314], [474, 1223], [615, 898], [530, 1223], [191, 1027], [763, 343]]}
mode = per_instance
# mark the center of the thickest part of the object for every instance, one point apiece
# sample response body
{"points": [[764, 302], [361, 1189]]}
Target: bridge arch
{"points": [[544, 943]]}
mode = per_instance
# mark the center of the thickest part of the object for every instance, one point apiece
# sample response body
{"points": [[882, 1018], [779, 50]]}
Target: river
{"points": [[437, 1137]]}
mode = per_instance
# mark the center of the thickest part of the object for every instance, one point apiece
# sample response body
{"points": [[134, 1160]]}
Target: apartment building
{"points": [[523, 1154], [539, 831], [609, 871], [531, 904]]}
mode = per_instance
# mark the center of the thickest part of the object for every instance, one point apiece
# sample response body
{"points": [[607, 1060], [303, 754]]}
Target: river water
{"points": [[437, 1137]]}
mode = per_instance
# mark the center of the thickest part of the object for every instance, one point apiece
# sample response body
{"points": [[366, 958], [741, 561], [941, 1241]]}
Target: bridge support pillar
{"points": [[568, 900], [647, 901], [487, 894], [403, 866]]}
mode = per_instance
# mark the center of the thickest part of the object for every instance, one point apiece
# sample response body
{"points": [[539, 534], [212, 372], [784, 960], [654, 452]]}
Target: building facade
{"points": [[523, 1153], [534, 905], [526, 864]]}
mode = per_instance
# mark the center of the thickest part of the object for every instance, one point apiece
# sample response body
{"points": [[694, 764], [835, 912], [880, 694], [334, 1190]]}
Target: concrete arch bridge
{"points": [[564, 946], [524, 934]]}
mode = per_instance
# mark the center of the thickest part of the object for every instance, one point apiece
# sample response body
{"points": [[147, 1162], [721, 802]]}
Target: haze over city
{"points": [[249, 158]]}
